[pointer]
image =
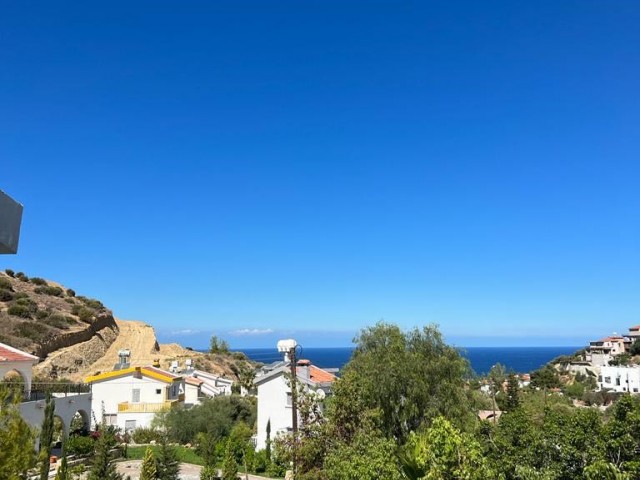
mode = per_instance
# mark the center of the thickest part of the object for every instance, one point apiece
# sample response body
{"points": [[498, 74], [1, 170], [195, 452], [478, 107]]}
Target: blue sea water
{"points": [[518, 359]]}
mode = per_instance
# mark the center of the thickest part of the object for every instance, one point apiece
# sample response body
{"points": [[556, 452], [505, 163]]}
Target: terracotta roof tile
{"points": [[320, 376], [10, 354]]}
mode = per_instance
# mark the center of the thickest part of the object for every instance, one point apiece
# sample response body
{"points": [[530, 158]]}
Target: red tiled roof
{"points": [[193, 381], [320, 376], [10, 354], [637, 327]]}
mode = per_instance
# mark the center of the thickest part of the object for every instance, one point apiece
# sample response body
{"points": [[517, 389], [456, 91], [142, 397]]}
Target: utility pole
{"points": [[294, 409]]}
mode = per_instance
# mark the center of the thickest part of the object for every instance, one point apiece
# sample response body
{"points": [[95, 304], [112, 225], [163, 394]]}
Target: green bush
{"points": [[91, 302], [38, 281], [260, 462], [10, 272], [5, 295], [20, 295], [32, 331], [146, 435], [5, 284], [49, 290], [79, 445], [85, 314], [58, 320], [42, 314], [22, 277], [70, 301], [18, 310], [71, 292]]}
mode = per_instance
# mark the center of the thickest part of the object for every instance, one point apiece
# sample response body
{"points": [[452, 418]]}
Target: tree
{"points": [[63, 471], [497, 374], [103, 467], [229, 465], [443, 452], [149, 470], [268, 441], [168, 467], [635, 347], [545, 377], [513, 393], [17, 454], [46, 437], [246, 376], [410, 377], [217, 345]]}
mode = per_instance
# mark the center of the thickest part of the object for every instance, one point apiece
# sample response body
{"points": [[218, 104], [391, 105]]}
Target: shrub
{"points": [[71, 292], [22, 277], [85, 315], [21, 295], [32, 331], [260, 462], [42, 314], [10, 272], [21, 311], [91, 302], [5, 284], [59, 321], [146, 435], [69, 301], [5, 295], [38, 281], [79, 445], [49, 290]]}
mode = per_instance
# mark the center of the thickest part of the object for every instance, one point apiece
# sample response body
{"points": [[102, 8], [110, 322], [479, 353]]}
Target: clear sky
{"points": [[266, 169]]}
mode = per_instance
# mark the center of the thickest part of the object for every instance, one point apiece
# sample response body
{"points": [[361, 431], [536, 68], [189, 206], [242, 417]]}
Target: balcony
{"points": [[126, 407], [40, 390]]}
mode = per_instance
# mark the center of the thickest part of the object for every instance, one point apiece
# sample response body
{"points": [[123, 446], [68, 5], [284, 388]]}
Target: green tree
{"points": [[602, 470], [168, 467], [268, 441], [442, 452], [103, 466], [513, 393], [497, 375], [46, 437], [17, 454], [217, 345], [409, 377], [63, 470], [635, 347], [149, 470], [229, 464], [368, 456], [545, 377]]}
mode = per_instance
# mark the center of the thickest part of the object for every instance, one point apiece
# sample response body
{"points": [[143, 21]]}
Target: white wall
{"points": [[620, 379], [24, 368], [272, 405]]}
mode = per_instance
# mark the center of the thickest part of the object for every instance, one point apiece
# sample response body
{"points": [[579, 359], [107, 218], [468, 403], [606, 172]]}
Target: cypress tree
{"points": [[63, 471], [229, 465], [268, 441], [513, 393], [167, 465], [149, 470], [103, 467], [46, 437]]}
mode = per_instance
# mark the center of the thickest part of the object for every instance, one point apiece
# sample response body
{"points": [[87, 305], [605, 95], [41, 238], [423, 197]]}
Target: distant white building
{"points": [[619, 379], [130, 397], [274, 395], [602, 351]]}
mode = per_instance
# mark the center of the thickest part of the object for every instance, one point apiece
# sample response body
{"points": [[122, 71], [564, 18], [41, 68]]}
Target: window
{"points": [[110, 419], [618, 381], [635, 390], [158, 391], [135, 395], [129, 425], [607, 379], [289, 399]]}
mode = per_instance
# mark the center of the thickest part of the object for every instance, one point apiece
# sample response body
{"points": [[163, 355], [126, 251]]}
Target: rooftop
{"points": [[10, 354]]}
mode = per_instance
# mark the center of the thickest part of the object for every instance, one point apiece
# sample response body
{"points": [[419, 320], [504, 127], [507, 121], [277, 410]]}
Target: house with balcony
{"points": [[275, 399], [130, 397], [602, 351]]}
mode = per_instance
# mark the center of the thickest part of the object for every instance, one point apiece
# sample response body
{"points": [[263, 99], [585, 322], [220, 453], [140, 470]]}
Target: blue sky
{"points": [[267, 169]]}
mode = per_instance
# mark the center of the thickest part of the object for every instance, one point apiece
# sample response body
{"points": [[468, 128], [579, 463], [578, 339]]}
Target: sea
{"points": [[481, 359]]}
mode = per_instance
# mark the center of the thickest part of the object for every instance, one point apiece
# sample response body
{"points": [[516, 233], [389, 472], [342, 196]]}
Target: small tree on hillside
{"points": [[148, 470], [46, 437], [217, 345]]}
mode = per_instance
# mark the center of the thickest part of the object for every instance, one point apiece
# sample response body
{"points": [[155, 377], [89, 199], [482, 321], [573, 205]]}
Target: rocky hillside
{"points": [[77, 336]]}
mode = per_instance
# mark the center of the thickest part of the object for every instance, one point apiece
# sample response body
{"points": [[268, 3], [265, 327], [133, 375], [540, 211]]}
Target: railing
{"points": [[39, 390], [126, 407]]}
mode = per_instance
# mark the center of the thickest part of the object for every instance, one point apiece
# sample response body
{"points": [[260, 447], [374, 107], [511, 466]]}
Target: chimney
{"points": [[304, 370]]}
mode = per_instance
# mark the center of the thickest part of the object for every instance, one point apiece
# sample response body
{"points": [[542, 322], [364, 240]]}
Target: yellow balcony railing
{"points": [[126, 407]]}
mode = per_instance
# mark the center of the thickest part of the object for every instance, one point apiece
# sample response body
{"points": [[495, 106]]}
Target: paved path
{"points": [[188, 471]]}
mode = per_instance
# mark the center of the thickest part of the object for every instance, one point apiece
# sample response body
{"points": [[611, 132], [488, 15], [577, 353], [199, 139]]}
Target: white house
{"points": [[274, 395], [620, 379], [16, 365], [130, 397]]}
